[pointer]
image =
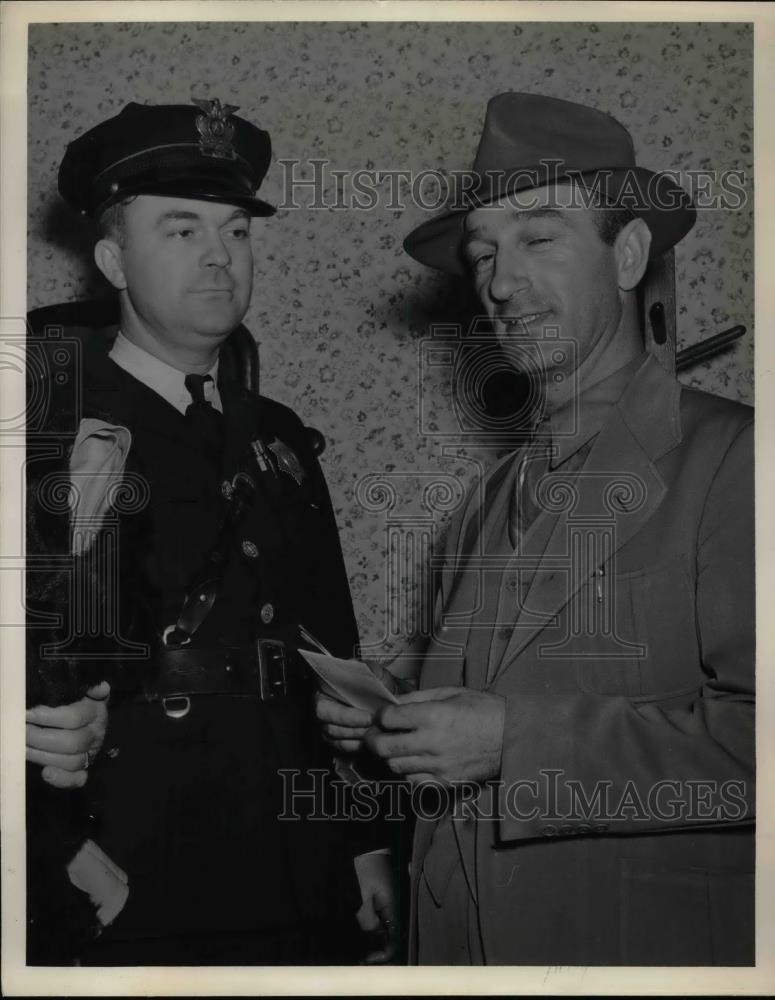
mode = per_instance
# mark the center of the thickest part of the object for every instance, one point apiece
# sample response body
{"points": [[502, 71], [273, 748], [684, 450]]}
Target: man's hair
{"points": [[112, 222], [610, 221]]}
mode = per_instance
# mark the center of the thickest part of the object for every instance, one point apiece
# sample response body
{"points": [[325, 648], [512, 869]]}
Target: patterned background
{"points": [[339, 310]]}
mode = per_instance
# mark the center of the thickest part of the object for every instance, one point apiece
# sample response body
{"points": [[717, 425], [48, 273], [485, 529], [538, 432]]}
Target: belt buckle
{"points": [[176, 706], [272, 669]]}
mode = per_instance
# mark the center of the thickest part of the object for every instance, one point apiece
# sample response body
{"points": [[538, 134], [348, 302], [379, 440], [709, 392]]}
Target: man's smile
{"points": [[514, 323]]}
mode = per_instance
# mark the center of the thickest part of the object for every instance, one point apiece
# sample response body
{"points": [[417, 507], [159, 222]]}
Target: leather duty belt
{"points": [[259, 671]]}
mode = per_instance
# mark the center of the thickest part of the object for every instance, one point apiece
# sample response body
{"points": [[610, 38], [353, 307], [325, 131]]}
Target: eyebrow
{"points": [[177, 215], [526, 215]]}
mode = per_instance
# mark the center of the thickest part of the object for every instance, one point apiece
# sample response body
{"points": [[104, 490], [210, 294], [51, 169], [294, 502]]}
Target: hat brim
{"points": [[664, 206], [196, 191]]}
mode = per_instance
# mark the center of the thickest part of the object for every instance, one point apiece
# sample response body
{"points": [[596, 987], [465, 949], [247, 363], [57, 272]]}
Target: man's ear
{"points": [[632, 253], [109, 259]]}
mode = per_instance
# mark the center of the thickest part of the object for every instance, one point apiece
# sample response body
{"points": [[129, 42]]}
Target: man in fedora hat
{"points": [[207, 507], [585, 701]]}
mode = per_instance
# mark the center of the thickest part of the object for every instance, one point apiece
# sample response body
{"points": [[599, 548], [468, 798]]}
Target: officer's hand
{"points": [[344, 727], [378, 910], [441, 734], [66, 739]]}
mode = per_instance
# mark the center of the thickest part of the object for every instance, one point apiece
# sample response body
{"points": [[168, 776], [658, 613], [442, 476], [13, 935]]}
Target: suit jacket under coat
{"points": [[638, 880]]}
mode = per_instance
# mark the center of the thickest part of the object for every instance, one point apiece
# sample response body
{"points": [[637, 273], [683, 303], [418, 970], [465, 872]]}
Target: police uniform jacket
{"points": [[186, 801]]}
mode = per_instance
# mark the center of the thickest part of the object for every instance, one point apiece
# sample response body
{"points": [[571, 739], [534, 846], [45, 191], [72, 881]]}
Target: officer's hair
{"points": [[112, 222]]}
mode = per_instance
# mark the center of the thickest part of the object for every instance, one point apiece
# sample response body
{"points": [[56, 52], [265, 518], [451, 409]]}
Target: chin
{"points": [[216, 324]]}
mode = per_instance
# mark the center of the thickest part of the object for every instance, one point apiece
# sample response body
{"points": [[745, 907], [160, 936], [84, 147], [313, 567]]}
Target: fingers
{"points": [[334, 712], [345, 733], [60, 741], [412, 767], [367, 918], [347, 746], [370, 922], [75, 716], [59, 761], [428, 694], [99, 692], [63, 779], [413, 716]]}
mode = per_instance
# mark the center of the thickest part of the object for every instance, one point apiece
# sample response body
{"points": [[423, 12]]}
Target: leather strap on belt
{"points": [[260, 671]]}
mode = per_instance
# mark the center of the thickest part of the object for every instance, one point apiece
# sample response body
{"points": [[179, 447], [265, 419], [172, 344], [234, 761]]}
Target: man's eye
{"points": [[482, 260], [241, 233], [184, 234], [537, 240]]}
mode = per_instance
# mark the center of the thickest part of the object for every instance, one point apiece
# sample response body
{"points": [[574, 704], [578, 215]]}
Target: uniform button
{"points": [[227, 490], [113, 752], [549, 831], [250, 549], [267, 613]]}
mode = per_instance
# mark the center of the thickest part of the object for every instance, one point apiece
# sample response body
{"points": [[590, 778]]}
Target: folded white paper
{"points": [[349, 681]]}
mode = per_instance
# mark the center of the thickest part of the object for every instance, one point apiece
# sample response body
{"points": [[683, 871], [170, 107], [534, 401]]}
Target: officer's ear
{"points": [[632, 253], [109, 259]]}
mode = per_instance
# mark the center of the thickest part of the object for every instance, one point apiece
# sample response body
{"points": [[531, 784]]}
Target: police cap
{"points": [[201, 151]]}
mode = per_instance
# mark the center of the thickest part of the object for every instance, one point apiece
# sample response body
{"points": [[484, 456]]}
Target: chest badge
{"points": [[288, 461]]}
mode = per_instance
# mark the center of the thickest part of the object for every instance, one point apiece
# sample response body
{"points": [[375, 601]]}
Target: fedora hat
{"points": [[530, 141]]}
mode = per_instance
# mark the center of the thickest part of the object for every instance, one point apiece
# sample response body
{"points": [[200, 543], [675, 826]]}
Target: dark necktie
{"points": [[204, 419]]}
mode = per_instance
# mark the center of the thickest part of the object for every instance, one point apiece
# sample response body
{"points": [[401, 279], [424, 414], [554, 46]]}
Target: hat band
{"points": [[129, 163], [165, 165]]}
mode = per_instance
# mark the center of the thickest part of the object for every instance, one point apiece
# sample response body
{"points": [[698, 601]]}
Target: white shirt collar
{"points": [[163, 379]]}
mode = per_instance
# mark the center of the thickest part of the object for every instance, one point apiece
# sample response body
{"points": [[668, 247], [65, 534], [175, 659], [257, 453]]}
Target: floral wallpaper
{"points": [[340, 312]]}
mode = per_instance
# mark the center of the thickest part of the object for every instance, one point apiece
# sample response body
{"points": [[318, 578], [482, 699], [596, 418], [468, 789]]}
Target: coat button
{"points": [[267, 613], [250, 549], [227, 490], [113, 753]]}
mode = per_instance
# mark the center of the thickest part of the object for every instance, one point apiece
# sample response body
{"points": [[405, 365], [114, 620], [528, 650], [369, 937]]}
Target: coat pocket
{"points": [[643, 639]]}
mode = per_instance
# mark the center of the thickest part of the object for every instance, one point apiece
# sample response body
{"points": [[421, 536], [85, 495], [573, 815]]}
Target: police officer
{"points": [[214, 507]]}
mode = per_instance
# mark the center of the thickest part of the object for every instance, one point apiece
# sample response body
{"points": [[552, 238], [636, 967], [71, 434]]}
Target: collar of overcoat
{"points": [[619, 487]]}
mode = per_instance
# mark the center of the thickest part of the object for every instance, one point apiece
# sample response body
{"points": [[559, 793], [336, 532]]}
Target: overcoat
{"points": [[620, 830]]}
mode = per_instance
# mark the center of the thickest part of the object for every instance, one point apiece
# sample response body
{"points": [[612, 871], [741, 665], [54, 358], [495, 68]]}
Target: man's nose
{"points": [[509, 277], [216, 253]]}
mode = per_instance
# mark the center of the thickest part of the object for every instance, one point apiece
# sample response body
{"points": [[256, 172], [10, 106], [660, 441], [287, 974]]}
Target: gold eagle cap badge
{"points": [[215, 129]]}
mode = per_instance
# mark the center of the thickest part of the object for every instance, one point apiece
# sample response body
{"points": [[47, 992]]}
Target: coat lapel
{"points": [[461, 577], [613, 496]]}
